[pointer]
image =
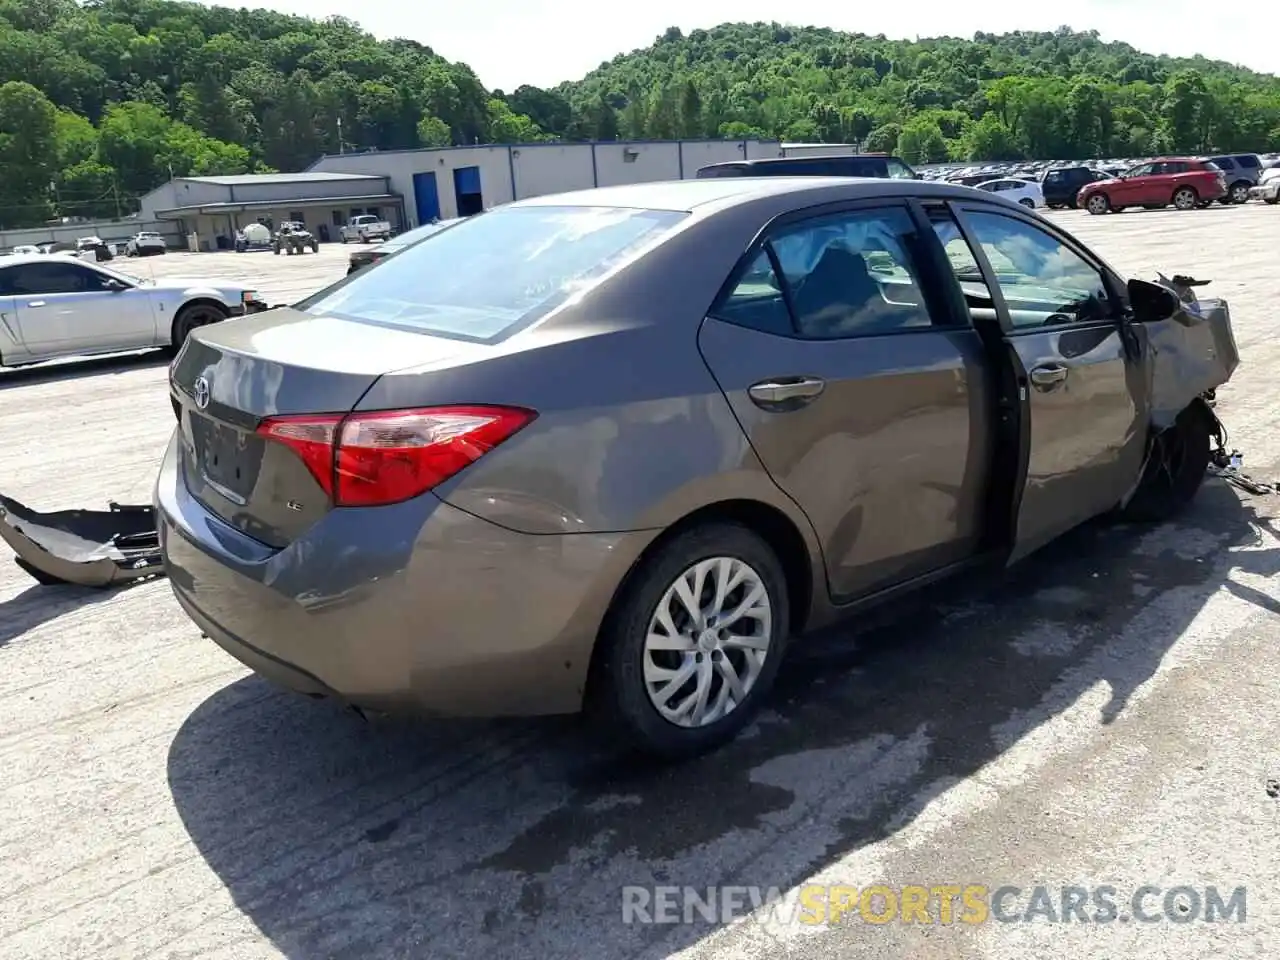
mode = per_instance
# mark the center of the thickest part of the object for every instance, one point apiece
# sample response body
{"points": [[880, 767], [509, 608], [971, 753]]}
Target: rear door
{"points": [[64, 307], [861, 388], [1079, 368]]}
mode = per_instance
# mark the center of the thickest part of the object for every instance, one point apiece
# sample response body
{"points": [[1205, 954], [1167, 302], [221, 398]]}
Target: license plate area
{"points": [[229, 459]]}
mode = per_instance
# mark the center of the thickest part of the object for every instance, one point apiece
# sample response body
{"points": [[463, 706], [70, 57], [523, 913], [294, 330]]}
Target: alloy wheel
{"points": [[707, 641], [1240, 193], [1098, 204], [1184, 199]]}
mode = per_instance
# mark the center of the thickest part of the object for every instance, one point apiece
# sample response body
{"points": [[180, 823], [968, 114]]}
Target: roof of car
{"points": [[686, 195]]}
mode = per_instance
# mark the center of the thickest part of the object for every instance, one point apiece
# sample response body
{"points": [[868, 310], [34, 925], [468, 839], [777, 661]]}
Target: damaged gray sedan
{"points": [[618, 449]]}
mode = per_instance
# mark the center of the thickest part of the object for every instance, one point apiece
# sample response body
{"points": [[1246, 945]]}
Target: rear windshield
{"points": [[493, 274]]}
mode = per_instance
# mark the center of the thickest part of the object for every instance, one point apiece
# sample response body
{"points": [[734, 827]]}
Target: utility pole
{"points": [[115, 193], [340, 149]]}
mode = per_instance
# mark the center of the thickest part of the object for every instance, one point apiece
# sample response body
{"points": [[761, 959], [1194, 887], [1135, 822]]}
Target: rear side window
{"points": [[1224, 163], [489, 276], [847, 275]]}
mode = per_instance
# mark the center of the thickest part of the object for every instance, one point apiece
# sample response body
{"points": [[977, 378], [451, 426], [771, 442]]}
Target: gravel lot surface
{"points": [[1105, 715]]}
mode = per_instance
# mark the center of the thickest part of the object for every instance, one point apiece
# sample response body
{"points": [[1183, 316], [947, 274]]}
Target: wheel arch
{"points": [[199, 300], [769, 523]]}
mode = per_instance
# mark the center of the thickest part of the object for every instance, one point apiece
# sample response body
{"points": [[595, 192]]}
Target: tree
{"points": [[921, 141], [433, 132], [28, 153], [690, 112]]}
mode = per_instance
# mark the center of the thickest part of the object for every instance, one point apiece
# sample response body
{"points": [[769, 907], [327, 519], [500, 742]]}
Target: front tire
{"points": [[1098, 204], [693, 642], [192, 317], [1239, 192], [1175, 469], [1028, 203]]}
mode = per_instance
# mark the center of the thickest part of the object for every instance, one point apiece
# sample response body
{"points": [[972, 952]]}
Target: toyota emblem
{"points": [[201, 388]]}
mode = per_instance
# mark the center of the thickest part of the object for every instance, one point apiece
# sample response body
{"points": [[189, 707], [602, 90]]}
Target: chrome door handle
{"points": [[786, 391], [35, 303], [1048, 376]]}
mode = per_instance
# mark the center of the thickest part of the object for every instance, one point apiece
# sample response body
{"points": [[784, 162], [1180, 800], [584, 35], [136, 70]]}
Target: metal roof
{"points": [[288, 203], [266, 179]]}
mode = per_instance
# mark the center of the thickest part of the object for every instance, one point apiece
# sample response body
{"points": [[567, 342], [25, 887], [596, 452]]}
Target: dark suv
{"points": [[859, 165], [1061, 184], [1242, 170]]}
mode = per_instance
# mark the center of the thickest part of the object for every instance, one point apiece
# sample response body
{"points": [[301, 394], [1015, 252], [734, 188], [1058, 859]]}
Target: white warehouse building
{"points": [[412, 187], [455, 181]]}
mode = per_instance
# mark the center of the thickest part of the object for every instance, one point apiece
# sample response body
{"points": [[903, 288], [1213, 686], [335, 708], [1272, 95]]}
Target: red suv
{"points": [[1181, 181]]}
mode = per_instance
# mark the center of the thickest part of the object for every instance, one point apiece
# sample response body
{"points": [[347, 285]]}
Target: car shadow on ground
{"points": [[58, 370], [514, 839], [39, 605]]}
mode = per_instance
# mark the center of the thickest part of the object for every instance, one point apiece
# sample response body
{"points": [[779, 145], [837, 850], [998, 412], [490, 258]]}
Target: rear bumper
{"points": [[416, 607]]}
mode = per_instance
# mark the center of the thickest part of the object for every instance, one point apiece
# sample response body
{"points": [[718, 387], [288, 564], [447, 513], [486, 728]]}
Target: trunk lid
{"points": [[232, 376]]}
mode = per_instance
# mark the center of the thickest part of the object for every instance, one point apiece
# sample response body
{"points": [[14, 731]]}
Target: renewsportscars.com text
{"points": [[972, 904]]}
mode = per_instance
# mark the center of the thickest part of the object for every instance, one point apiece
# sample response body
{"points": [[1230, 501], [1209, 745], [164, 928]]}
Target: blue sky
{"points": [[510, 42]]}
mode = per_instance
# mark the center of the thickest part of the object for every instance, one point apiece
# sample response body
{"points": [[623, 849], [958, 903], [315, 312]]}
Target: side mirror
{"points": [[115, 286], [1151, 302]]}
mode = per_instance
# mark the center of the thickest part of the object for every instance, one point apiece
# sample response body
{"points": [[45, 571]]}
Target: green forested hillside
{"points": [[102, 100], [1041, 95]]}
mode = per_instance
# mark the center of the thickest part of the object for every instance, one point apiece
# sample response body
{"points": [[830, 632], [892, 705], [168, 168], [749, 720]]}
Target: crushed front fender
{"points": [[93, 548], [1189, 355]]}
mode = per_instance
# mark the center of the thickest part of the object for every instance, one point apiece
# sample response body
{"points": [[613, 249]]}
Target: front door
{"points": [[1134, 188], [1080, 375], [65, 307], [861, 390]]}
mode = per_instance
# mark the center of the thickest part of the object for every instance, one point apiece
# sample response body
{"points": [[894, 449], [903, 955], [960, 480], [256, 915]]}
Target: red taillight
{"points": [[367, 459]]}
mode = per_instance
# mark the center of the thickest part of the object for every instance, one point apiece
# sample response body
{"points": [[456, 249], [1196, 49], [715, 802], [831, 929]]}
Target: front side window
{"points": [[490, 275], [1141, 170], [1223, 163], [852, 274], [1043, 281], [49, 278]]}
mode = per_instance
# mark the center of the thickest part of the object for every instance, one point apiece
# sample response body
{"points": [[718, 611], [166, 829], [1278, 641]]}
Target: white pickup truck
{"points": [[366, 228]]}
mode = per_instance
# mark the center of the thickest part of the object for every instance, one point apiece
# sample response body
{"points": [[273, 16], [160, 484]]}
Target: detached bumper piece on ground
{"points": [[92, 548]]}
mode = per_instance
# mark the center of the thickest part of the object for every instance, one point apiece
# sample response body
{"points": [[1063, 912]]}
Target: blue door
{"points": [[466, 188], [426, 197]]}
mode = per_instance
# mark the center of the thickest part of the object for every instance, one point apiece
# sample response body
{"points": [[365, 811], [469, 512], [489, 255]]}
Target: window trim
{"points": [[1115, 289], [922, 251]]}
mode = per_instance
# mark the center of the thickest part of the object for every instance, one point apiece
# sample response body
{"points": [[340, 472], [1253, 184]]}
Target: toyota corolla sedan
{"points": [[617, 450]]}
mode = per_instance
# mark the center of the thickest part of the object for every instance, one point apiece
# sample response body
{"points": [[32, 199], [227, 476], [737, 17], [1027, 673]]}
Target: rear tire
{"points": [[1175, 468], [1185, 198], [633, 663], [1098, 204], [191, 317]]}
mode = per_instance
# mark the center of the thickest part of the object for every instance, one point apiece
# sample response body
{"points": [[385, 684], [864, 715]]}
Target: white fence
{"points": [[111, 231]]}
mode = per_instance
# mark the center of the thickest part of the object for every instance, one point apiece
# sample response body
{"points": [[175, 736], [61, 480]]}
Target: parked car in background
{"points": [[1060, 185], [1268, 188], [25, 250], [610, 449], [59, 306], [860, 165], [1185, 182], [1019, 191], [93, 249], [144, 244], [365, 229], [369, 255], [1242, 171]]}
